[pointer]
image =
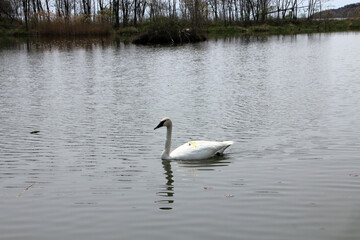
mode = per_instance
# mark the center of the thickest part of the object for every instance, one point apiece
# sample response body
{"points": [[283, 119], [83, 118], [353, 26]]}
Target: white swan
{"points": [[194, 150]]}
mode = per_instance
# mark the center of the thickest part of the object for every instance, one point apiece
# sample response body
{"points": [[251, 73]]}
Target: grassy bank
{"points": [[12, 28], [169, 31], [286, 27]]}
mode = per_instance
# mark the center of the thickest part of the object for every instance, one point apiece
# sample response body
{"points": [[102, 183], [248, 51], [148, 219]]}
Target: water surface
{"points": [[291, 104]]}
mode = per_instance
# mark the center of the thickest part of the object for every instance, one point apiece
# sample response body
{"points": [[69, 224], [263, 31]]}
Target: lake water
{"points": [[291, 104]]}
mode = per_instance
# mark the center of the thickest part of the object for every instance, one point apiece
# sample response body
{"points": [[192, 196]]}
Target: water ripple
{"points": [[93, 160]]}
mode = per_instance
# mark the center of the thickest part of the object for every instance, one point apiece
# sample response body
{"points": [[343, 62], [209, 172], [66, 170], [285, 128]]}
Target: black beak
{"points": [[161, 124]]}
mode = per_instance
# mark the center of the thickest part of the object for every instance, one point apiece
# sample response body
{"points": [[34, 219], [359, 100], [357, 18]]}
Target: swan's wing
{"points": [[199, 150]]}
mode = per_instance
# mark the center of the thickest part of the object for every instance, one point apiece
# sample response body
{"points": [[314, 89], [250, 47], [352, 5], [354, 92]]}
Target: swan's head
{"points": [[165, 122]]}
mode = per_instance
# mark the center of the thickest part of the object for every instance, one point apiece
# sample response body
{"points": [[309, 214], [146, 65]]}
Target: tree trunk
{"points": [[48, 10], [25, 9], [135, 11], [125, 11], [116, 7]]}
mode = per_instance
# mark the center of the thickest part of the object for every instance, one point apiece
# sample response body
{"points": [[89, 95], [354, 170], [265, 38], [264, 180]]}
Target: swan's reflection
{"points": [[207, 164], [167, 191]]}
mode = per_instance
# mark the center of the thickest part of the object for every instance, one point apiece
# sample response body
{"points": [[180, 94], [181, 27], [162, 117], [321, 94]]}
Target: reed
{"points": [[77, 26]]}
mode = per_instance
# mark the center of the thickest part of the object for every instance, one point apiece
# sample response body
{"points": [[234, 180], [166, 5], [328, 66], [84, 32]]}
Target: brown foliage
{"points": [[76, 26]]}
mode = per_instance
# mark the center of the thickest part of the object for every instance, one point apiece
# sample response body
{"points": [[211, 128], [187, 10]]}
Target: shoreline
{"points": [[128, 34]]}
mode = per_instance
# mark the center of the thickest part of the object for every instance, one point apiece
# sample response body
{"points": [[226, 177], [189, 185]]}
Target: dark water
{"points": [[93, 171]]}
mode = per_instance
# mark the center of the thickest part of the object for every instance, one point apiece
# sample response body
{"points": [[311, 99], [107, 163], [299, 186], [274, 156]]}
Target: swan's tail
{"points": [[226, 145]]}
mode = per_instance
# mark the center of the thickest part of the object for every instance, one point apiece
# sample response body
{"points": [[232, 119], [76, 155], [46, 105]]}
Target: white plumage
{"points": [[194, 150]]}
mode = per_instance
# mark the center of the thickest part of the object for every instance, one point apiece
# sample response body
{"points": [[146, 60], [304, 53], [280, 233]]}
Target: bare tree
{"points": [[47, 10], [312, 5], [116, 9], [66, 11], [125, 8], [214, 7], [87, 7]]}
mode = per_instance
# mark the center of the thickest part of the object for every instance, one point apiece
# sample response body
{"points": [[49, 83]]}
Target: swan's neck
{"points": [[167, 149]]}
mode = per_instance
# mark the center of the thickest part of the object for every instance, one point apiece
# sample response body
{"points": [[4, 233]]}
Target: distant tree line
{"points": [[132, 12]]}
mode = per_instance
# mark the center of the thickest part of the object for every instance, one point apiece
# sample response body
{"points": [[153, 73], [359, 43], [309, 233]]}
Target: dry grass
{"points": [[76, 26]]}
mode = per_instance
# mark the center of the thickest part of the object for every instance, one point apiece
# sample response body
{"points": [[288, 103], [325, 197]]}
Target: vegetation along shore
{"points": [[170, 21]]}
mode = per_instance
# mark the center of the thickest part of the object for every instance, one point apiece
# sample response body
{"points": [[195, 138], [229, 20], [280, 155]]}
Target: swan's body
{"points": [[194, 150]]}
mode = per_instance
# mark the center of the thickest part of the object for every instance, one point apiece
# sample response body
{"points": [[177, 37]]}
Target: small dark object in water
{"points": [[34, 132]]}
